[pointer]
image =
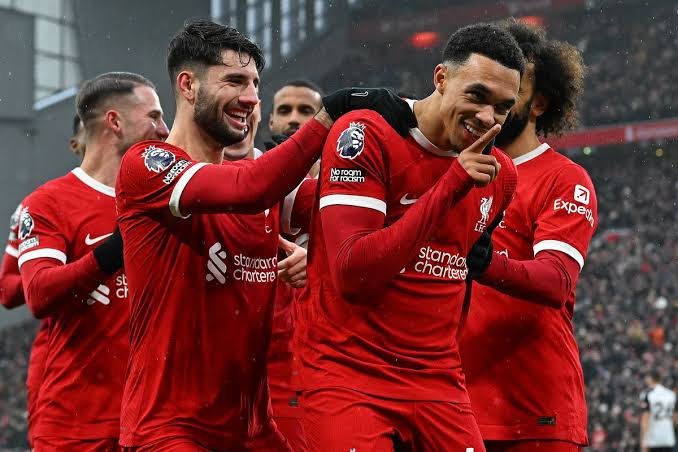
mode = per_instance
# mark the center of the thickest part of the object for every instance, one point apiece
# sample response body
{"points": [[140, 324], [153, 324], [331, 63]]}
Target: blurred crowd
{"points": [[630, 62], [626, 318], [15, 348]]}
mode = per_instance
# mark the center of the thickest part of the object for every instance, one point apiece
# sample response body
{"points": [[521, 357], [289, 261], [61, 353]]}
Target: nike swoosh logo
{"points": [[363, 94], [405, 201], [91, 241]]}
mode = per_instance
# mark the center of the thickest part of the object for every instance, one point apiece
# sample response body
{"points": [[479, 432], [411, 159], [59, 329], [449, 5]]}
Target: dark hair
{"points": [[303, 83], [655, 375], [201, 42], [97, 91], [485, 39], [76, 124], [558, 76]]}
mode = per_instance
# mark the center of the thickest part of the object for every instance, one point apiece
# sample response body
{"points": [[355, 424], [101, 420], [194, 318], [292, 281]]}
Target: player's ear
{"points": [[270, 120], [113, 121], [187, 85], [440, 74], [539, 105]]}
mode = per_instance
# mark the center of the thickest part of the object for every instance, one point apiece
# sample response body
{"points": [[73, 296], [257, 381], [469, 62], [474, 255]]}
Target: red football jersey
{"points": [[401, 342], [87, 337], [202, 289], [520, 358]]}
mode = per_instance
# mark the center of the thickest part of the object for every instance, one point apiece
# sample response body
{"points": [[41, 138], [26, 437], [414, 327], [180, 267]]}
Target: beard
{"points": [[514, 125], [209, 117]]}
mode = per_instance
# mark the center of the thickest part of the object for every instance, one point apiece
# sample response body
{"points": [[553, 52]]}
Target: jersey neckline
{"points": [[424, 142], [532, 154], [93, 183]]}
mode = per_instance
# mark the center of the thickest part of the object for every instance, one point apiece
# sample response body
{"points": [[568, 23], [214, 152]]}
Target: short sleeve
{"points": [[353, 171], [569, 215], [152, 178], [40, 232]]}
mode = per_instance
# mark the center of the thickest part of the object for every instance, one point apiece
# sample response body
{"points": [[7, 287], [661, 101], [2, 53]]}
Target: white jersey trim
{"points": [[179, 187], [12, 251], [93, 183], [286, 213], [44, 252], [424, 142], [353, 200], [532, 154], [557, 245]]}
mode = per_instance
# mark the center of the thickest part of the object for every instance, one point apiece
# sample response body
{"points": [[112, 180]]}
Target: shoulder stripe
{"points": [[353, 200], [42, 253], [557, 245], [179, 187], [12, 251]]}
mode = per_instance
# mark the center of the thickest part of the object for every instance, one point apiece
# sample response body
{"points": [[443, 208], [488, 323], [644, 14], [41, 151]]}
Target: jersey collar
{"points": [[532, 154], [424, 142], [93, 183]]}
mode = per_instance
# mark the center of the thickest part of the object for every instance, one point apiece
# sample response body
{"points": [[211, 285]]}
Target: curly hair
{"points": [[558, 73]]}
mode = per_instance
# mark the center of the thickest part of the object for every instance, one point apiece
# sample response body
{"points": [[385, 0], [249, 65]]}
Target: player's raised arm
{"points": [[255, 185], [353, 215]]}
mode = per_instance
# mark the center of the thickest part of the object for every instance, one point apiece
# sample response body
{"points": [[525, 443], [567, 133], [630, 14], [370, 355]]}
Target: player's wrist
{"points": [[109, 254]]}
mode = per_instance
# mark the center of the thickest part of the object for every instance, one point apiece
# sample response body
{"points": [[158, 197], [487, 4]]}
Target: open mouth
{"points": [[473, 131], [237, 118]]}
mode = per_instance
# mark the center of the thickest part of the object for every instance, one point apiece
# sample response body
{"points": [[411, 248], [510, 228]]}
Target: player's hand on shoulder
{"points": [[292, 270], [395, 110], [482, 168]]}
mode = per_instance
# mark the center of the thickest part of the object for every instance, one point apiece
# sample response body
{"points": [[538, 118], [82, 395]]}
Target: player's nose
{"points": [[486, 115], [162, 130], [249, 96]]}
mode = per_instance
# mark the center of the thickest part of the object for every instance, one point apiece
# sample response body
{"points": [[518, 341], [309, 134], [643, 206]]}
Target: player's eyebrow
{"points": [[478, 88], [483, 90]]}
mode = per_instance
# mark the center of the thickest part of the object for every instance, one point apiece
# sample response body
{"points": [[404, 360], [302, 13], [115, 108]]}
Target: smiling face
{"points": [[226, 98], [475, 96], [242, 149]]}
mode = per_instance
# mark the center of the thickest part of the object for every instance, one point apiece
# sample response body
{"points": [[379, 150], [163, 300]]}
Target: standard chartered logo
{"points": [[102, 294], [216, 267], [441, 264], [245, 268]]}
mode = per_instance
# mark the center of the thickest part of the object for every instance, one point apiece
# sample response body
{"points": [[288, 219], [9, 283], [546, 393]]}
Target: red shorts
{"points": [[532, 445], [271, 442], [287, 414], [52, 444], [341, 420], [293, 431]]}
